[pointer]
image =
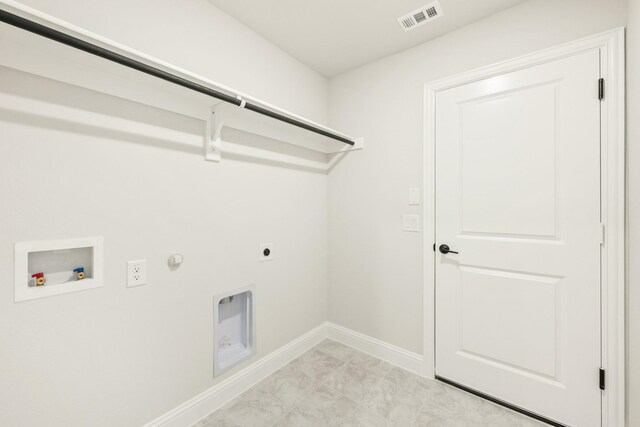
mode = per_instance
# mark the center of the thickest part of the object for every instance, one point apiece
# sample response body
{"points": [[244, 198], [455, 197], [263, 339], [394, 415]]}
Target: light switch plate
{"points": [[414, 196], [411, 222]]}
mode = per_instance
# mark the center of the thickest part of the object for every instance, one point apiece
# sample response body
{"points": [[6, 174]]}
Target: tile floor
{"points": [[335, 385]]}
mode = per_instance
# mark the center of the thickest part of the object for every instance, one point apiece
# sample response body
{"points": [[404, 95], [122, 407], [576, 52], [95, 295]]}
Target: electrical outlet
{"points": [[410, 223], [266, 252], [136, 273]]}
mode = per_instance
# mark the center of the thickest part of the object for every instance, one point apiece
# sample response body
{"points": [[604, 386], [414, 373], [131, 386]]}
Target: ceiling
{"points": [[334, 36]]}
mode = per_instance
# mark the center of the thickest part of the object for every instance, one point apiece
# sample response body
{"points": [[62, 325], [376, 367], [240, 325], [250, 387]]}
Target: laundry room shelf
{"points": [[44, 45]]}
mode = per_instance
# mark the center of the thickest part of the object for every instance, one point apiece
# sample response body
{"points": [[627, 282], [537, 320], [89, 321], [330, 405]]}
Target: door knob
{"points": [[444, 249]]}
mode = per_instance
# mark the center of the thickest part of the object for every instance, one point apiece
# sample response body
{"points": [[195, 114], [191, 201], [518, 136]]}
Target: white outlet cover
{"points": [[266, 247], [136, 273], [411, 222]]}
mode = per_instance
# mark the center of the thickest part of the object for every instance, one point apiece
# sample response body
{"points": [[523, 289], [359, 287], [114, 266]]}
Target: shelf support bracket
{"points": [[213, 137]]}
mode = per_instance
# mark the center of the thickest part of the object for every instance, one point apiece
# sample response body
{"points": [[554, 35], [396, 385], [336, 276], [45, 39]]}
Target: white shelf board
{"points": [[37, 55]]}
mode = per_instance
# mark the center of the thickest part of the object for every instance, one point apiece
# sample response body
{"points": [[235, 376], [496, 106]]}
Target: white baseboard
{"points": [[389, 353], [205, 403]]}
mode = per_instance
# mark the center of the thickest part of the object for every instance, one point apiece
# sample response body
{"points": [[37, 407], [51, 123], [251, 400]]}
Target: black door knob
{"points": [[444, 249]]}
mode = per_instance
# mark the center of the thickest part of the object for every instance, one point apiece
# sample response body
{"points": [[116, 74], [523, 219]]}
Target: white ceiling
{"points": [[333, 36]]}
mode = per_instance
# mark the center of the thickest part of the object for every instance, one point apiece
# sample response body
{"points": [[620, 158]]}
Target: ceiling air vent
{"points": [[421, 16]]}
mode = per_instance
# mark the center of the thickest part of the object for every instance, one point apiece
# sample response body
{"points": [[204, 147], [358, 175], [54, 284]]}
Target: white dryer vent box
{"points": [[233, 328]]}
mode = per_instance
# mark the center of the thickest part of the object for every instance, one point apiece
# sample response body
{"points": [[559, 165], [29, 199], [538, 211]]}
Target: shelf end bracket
{"points": [[213, 137]]}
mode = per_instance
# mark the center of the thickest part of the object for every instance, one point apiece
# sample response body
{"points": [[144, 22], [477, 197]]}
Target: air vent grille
{"points": [[408, 23], [420, 16]]}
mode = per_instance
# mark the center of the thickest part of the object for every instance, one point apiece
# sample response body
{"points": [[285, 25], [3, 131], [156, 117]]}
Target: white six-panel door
{"points": [[518, 196]]}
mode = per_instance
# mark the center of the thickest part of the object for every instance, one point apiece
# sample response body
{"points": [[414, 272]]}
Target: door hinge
{"points": [[601, 89], [602, 234], [434, 247], [602, 378]]}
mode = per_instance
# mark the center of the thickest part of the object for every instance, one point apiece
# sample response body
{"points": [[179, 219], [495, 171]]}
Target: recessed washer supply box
{"points": [[59, 263]]}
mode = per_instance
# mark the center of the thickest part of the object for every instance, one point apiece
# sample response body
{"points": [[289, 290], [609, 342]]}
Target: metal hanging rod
{"points": [[66, 39]]}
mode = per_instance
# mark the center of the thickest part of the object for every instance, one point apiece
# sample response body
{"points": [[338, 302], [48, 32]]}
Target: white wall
{"points": [[80, 163], [633, 211], [200, 38], [375, 269]]}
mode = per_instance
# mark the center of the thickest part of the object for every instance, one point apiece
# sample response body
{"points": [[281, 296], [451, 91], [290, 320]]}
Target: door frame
{"points": [[613, 204]]}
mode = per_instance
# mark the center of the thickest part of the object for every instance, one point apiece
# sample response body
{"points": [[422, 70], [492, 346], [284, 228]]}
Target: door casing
{"points": [[613, 203]]}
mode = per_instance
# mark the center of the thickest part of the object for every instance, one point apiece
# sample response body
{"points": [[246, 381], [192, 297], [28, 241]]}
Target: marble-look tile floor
{"points": [[335, 385]]}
